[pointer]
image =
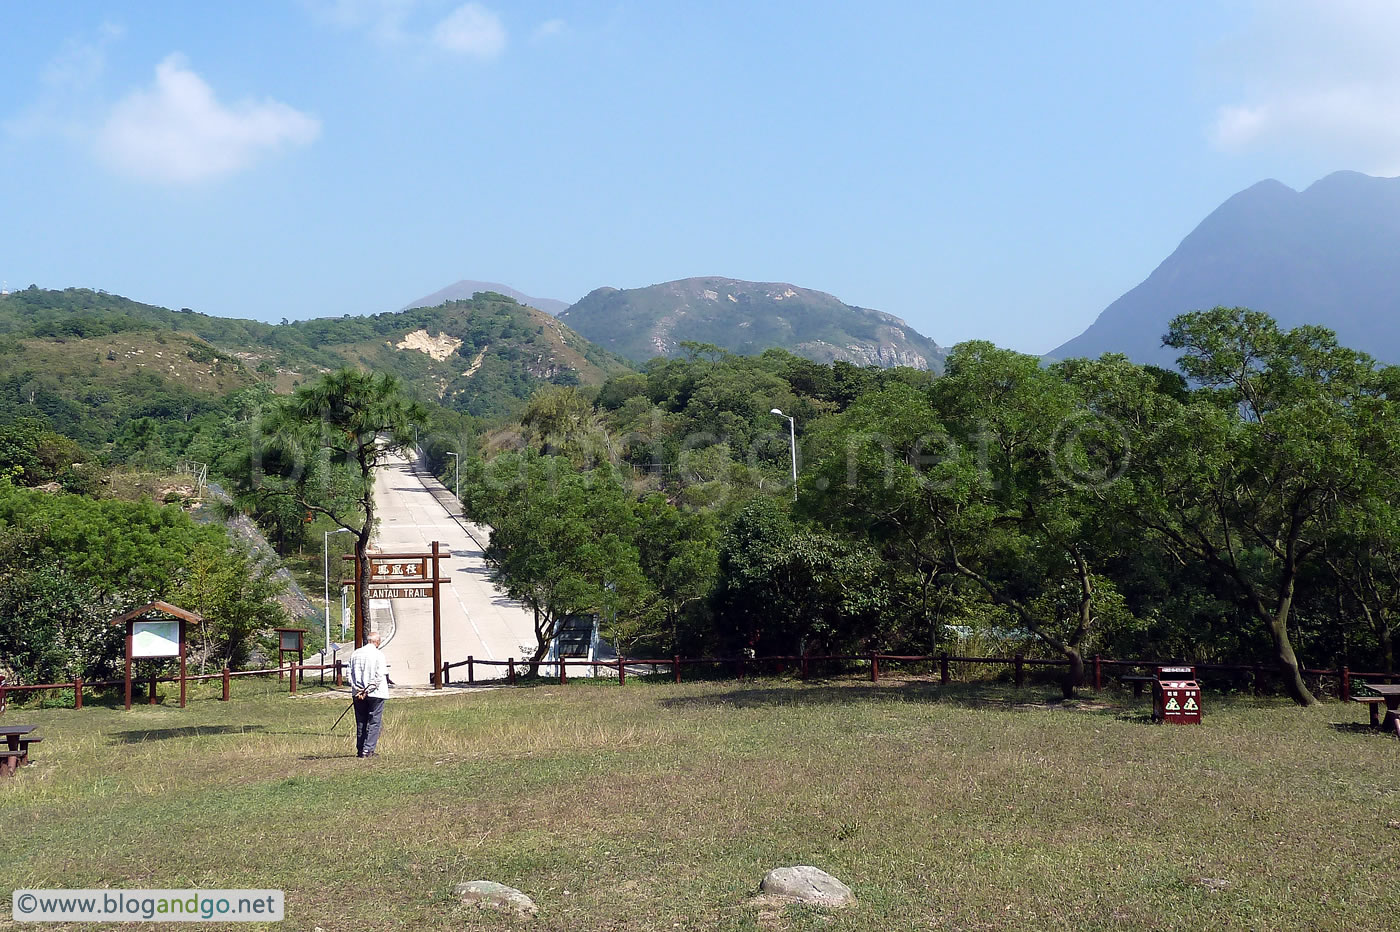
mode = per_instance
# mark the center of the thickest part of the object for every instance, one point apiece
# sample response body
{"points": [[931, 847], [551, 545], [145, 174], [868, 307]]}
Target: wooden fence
{"points": [[292, 672], [1096, 668]]}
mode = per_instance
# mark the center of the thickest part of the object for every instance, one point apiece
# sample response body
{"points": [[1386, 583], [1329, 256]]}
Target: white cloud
{"points": [[177, 131], [68, 86], [548, 28], [473, 30], [382, 19], [1316, 76]]}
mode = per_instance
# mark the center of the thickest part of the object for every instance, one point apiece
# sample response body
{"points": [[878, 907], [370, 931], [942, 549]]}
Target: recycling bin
{"points": [[1176, 696]]}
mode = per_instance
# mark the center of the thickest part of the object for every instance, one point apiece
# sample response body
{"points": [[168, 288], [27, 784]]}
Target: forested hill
{"points": [[1328, 255], [86, 359], [747, 318]]}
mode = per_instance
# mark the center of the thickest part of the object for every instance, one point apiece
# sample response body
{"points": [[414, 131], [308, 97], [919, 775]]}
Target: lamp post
{"points": [[792, 438], [457, 477], [326, 566]]}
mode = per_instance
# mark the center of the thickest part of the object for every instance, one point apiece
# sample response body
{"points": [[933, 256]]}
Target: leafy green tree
{"points": [[678, 555], [978, 480], [236, 597], [321, 446], [55, 622], [1288, 431], [782, 585], [562, 543]]}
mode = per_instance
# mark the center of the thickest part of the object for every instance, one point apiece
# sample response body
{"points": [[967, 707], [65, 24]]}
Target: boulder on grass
{"points": [[809, 885], [487, 894]]}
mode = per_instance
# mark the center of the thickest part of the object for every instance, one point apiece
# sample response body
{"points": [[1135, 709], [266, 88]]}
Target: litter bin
{"points": [[1176, 696]]}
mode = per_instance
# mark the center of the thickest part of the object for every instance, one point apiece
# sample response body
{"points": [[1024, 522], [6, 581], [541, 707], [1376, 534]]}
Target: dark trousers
{"points": [[369, 716]]}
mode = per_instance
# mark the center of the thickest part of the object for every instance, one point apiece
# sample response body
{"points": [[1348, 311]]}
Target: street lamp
{"points": [[457, 477], [792, 437], [326, 565]]}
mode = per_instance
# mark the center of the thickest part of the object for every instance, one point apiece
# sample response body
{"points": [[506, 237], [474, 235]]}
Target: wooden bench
{"points": [[1138, 682], [11, 760], [17, 739], [1375, 702]]}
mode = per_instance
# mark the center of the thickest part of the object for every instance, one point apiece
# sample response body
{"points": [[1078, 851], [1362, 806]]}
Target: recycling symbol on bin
{"points": [[1191, 704], [1172, 705]]}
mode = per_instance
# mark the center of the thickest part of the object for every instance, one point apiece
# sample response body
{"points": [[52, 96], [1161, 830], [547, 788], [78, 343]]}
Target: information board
{"points": [[155, 639]]}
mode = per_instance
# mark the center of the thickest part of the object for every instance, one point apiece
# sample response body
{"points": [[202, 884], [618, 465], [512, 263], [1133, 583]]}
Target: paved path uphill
{"points": [[477, 618]]}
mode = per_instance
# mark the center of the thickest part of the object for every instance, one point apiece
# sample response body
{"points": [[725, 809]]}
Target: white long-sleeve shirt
{"points": [[368, 671]]}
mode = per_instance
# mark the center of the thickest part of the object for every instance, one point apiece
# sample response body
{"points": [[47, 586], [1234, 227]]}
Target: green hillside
{"points": [[748, 318], [89, 361]]}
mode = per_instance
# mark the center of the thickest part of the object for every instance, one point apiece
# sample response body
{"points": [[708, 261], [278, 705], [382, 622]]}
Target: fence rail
{"points": [[297, 673], [1094, 666], [743, 667]]}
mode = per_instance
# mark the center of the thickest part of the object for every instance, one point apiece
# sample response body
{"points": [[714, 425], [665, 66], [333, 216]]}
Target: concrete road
{"points": [[477, 618]]}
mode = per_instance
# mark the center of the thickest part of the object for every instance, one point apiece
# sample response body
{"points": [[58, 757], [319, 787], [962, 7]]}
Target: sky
{"points": [[993, 170]]}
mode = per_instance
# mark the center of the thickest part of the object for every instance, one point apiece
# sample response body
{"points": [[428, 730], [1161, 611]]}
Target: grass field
{"points": [[657, 806]]}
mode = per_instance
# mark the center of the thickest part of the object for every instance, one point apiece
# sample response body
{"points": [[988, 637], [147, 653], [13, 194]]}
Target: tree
{"points": [[320, 448], [55, 623], [782, 584], [678, 555], [1287, 432], [561, 543], [983, 479], [235, 595]]}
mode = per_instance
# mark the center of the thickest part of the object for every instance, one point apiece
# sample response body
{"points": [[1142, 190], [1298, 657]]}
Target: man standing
{"points": [[369, 681]]}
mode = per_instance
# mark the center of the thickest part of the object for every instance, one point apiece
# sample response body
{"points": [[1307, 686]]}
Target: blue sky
{"points": [[998, 170]]}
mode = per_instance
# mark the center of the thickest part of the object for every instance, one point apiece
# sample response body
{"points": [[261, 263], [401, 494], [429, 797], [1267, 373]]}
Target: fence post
{"points": [[874, 667], [471, 669], [295, 671], [1346, 684], [1098, 673], [225, 699], [510, 670], [338, 681], [446, 673], [943, 678], [621, 672], [1020, 670], [676, 666], [78, 693], [563, 675], [151, 697], [804, 665]]}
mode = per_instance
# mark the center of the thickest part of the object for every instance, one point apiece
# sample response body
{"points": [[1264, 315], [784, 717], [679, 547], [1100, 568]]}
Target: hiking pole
{"points": [[343, 714]]}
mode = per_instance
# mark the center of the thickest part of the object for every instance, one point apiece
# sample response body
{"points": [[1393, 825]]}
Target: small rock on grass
{"points": [[487, 894], [808, 885]]}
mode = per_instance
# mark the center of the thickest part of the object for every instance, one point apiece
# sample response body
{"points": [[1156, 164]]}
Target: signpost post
{"points": [[155, 630], [406, 576]]}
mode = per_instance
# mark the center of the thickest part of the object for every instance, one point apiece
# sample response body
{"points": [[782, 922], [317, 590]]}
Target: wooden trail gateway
{"points": [[150, 632], [405, 576]]}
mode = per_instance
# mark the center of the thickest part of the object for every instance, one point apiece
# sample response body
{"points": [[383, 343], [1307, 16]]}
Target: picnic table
{"points": [[16, 750], [1387, 693]]}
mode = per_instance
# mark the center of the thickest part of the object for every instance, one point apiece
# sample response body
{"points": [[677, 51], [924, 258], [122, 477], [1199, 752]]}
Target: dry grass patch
{"points": [[660, 806]]}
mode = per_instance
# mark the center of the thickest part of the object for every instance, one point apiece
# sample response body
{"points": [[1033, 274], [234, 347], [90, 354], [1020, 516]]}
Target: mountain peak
{"points": [[747, 317], [464, 289], [1324, 256]]}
